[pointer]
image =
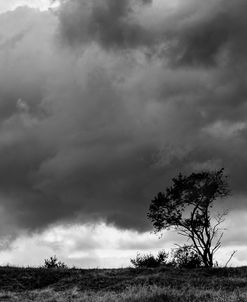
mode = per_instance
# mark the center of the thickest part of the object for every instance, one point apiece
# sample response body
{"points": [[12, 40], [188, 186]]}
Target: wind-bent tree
{"points": [[186, 207]]}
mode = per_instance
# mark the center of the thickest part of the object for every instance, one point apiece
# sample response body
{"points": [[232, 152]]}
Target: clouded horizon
{"points": [[102, 102]]}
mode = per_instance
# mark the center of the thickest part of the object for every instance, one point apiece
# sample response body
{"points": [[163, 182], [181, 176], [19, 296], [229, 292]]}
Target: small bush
{"points": [[186, 257], [149, 260], [53, 262]]}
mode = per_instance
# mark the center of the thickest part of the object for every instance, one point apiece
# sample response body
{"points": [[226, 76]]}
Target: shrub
{"points": [[53, 262], [149, 260], [186, 257]]}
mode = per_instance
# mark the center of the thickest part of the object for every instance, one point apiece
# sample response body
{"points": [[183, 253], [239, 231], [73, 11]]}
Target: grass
{"points": [[127, 285]]}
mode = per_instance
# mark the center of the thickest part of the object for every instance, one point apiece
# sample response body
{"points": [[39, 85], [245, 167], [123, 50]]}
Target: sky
{"points": [[102, 102]]}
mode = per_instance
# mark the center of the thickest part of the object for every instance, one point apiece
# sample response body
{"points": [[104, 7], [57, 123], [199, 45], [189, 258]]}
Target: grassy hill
{"points": [[160, 284]]}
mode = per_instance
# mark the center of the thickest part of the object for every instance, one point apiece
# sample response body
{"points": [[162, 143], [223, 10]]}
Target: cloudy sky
{"points": [[102, 102]]}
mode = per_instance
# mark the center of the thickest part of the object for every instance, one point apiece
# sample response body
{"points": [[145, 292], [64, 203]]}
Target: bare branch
{"points": [[218, 243], [230, 258]]}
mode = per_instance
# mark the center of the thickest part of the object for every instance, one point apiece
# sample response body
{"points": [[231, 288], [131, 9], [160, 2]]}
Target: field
{"points": [[132, 285]]}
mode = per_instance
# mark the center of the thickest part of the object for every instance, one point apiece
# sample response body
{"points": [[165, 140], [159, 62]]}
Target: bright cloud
{"points": [[105, 246], [98, 245], [13, 4]]}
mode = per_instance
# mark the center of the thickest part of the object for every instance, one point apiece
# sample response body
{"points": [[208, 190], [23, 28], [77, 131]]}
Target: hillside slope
{"points": [[160, 284]]}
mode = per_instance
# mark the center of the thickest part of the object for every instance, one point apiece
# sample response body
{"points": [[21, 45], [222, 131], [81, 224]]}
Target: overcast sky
{"points": [[102, 102]]}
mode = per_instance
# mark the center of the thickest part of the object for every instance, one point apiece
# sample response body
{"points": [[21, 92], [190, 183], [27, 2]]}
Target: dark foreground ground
{"points": [[137, 285]]}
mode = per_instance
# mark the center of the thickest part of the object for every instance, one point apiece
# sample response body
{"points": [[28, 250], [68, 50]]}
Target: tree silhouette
{"points": [[186, 207]]}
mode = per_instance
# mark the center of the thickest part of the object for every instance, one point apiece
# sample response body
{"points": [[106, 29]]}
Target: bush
{"points": [[53, 262], [186, 257], [149, 260]]}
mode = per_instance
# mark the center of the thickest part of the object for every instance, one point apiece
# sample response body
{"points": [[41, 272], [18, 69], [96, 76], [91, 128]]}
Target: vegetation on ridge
{"points": [[132, 285]]}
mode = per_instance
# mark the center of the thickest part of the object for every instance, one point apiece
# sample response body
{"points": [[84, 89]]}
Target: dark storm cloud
{"points": [[200, 39], [91, 134], [108, 22], [197, 34]]}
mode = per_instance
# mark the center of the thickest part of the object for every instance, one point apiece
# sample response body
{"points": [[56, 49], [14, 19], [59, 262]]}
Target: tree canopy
{"points": [[186, 207]]}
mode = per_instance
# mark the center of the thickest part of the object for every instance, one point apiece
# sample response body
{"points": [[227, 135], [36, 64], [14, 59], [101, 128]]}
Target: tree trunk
{"points": [[207, 259]]}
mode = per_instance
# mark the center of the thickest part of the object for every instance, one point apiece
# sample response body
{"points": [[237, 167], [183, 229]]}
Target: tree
{"points": [[186, 207]]}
